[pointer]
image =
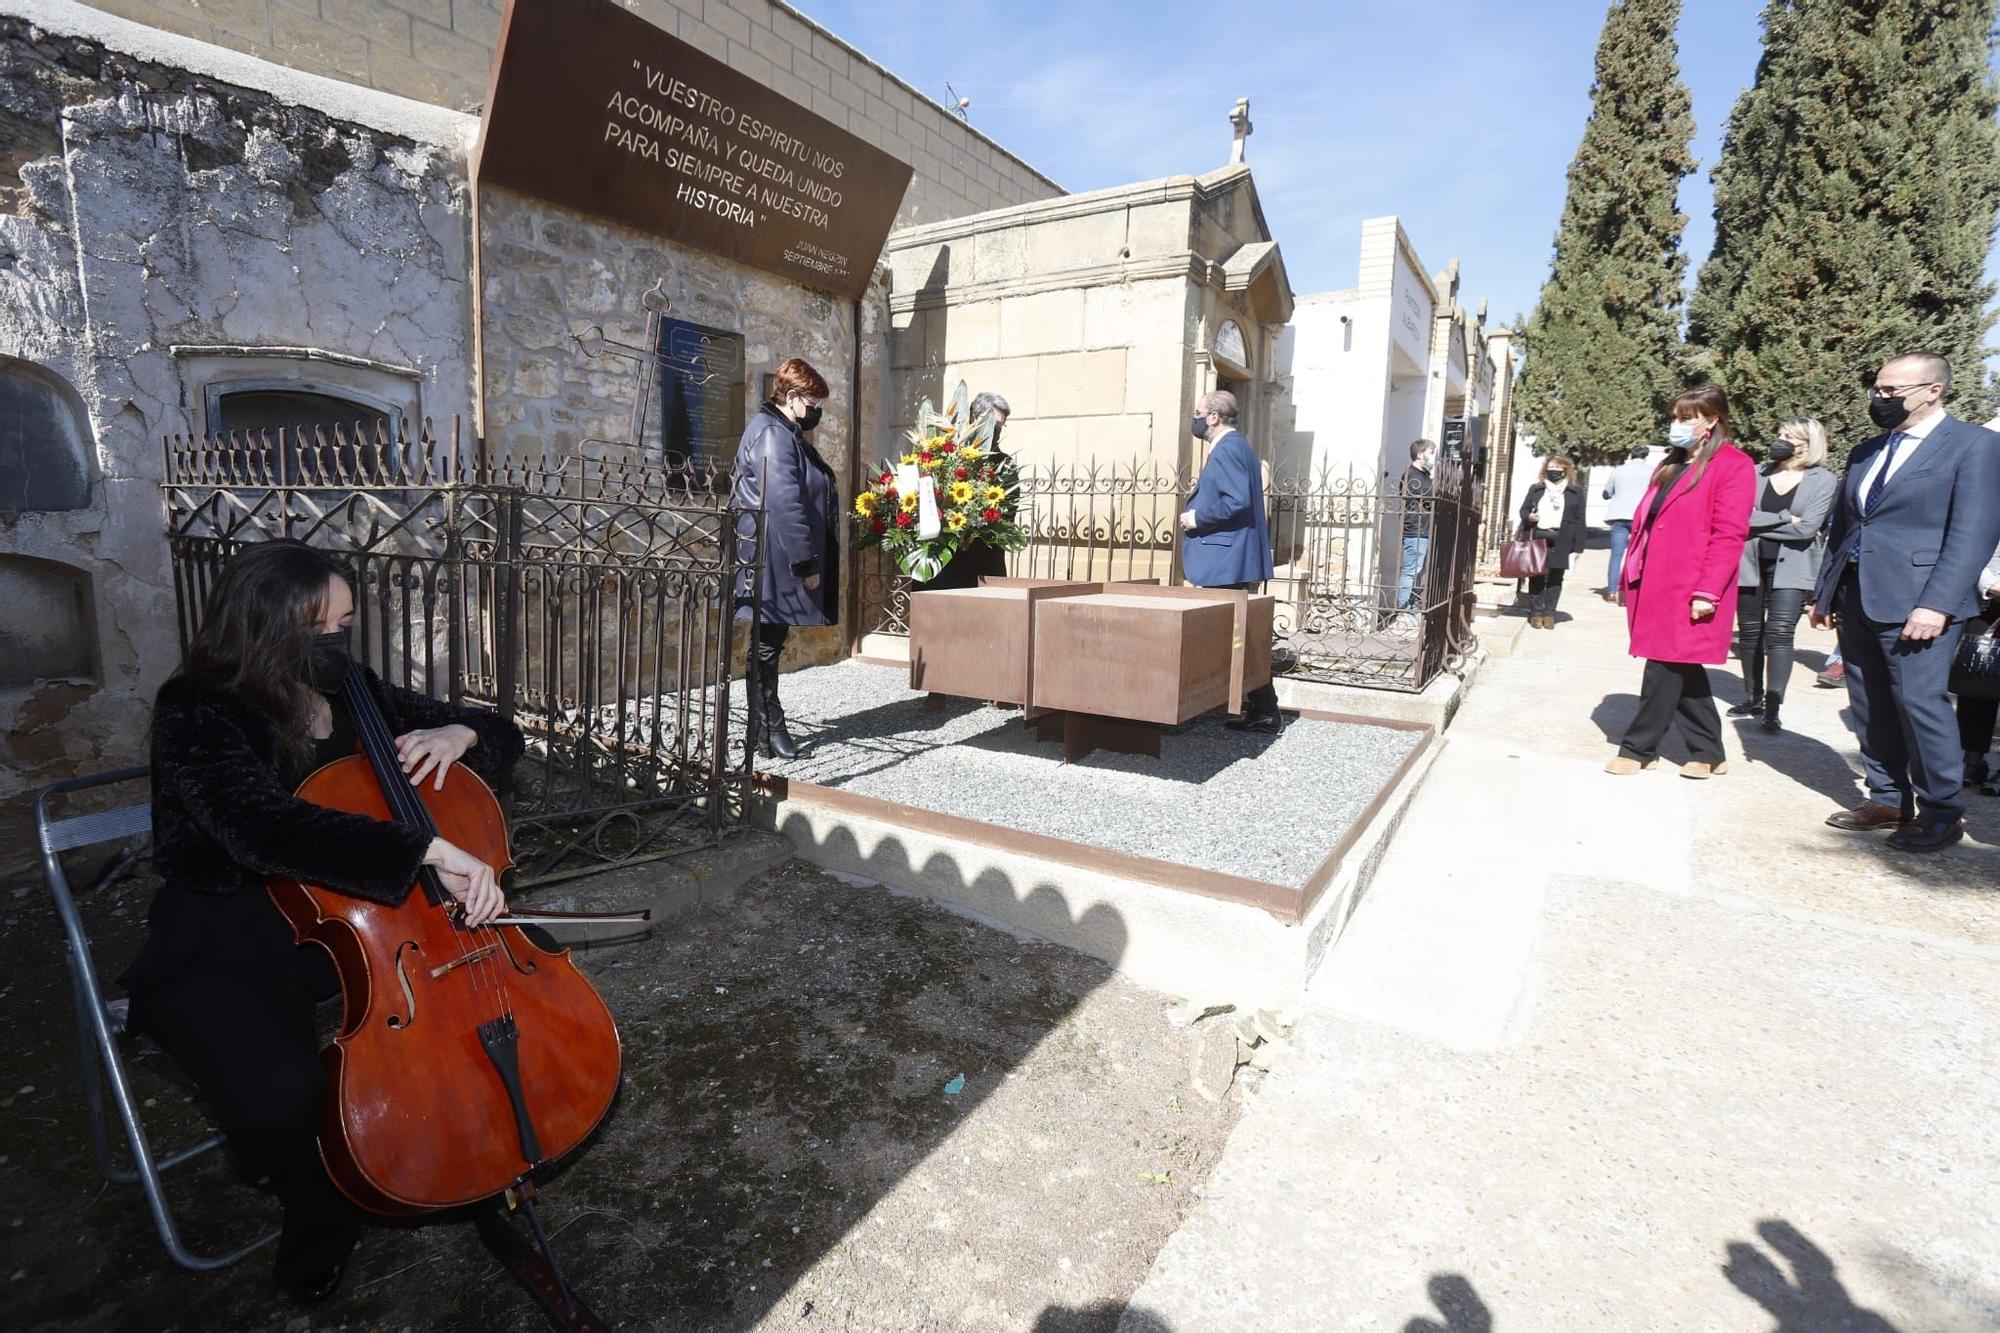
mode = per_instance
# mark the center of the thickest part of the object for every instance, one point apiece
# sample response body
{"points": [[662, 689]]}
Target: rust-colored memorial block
{"points": [[1095, 665], [976, 642]]}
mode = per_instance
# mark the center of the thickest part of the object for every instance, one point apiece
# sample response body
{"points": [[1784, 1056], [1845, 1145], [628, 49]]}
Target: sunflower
{"points": [[961, 491], [932, 462], [969, 452], [909, 459], [864, 503], [910, 504], [954, 520], [995, 494]]}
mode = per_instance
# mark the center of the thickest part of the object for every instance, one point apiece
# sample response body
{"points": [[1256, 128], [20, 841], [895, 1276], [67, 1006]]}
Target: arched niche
{"points": [[45, 441], [49, 631]]}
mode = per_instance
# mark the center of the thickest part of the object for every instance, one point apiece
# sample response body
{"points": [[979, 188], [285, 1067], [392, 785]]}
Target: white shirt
{"points": [[1914, 434]]}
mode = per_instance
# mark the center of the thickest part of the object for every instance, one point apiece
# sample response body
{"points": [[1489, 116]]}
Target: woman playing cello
{"points": [[220, 983]]}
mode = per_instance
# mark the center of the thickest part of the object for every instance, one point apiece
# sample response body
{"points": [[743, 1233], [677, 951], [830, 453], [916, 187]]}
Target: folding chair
{"points": [[98, 1020]]}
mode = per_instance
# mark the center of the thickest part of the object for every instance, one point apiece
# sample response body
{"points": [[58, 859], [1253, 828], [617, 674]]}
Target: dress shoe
{"points": [[1831, 678], [1749, 707], [1867, 817], [316, 1288], [1701, 772], [1624, 767], [1932, 837], [1268, 723]]}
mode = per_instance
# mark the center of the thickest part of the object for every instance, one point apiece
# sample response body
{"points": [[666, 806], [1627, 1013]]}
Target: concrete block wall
{"points": [[441, 51]]}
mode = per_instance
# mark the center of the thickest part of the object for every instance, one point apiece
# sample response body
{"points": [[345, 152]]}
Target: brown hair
{"points": [[796, 376], [1706, 400], [257, 628], [1566, 463]]}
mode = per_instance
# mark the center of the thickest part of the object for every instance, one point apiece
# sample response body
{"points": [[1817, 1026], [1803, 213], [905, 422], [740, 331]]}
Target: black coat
{"points": [[1567, 540], [778, 470], [225, 821]]}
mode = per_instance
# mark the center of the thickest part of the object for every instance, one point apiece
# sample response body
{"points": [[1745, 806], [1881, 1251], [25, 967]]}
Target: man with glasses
{"points": [[1917, 518]]}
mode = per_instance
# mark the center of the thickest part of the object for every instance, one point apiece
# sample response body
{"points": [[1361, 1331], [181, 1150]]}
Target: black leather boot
{"points": [[776, 736], [1772, 702]]}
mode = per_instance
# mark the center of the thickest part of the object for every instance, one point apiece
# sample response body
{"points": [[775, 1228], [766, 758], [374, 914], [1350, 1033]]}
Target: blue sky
{"points": [[1459, 117]]}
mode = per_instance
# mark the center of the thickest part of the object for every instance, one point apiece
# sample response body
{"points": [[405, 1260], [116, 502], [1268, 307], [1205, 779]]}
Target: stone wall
{"points": [[549, 273], [1091, 313], [147, 213], [441, 51]]}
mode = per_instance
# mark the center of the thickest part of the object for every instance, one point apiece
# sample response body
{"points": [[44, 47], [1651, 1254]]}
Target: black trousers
{"points": [[1262, 700], [1766, 620], [1670, 691], [1543, 592], [245, 1034], [1976, 719]]}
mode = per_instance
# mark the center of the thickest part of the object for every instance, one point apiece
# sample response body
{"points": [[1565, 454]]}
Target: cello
{"points": [[467, 1059]]}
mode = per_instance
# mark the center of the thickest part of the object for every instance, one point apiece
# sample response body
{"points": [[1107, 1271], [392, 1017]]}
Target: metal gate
{"points": [[590, 602]]}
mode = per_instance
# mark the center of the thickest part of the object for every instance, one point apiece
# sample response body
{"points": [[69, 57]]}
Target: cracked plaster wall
{"points": [[143, 207]]}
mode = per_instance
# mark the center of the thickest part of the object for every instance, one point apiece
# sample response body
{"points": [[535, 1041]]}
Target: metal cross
{"points": [[592, 343]]}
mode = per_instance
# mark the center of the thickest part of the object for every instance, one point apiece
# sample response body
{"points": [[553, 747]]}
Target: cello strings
{"points": [[478, 946], [380, 749]]}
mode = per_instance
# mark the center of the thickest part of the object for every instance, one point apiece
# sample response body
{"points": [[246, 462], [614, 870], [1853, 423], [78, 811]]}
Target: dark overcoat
{"points": [[778, 471], [1565, 541]]}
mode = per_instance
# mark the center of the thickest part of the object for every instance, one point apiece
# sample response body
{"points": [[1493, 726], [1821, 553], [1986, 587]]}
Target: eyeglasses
{"points": [[1895, 391]]}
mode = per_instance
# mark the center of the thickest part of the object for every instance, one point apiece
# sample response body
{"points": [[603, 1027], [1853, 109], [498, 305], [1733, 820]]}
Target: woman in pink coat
{"points": [[1679, 582]]}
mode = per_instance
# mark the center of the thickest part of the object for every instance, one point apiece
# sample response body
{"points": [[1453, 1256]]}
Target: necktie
{"points": [[1882, 474]]}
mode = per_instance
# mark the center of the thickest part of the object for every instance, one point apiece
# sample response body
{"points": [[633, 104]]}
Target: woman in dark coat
{"points": [[779, 472], [220, 983], [1553, 511]]}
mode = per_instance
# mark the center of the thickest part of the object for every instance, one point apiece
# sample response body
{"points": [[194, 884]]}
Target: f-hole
{"points": [[526, 969], [409, 996]]}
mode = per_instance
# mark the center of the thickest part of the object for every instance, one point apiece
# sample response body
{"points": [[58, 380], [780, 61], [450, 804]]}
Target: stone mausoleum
{"points": [[237, 216]]}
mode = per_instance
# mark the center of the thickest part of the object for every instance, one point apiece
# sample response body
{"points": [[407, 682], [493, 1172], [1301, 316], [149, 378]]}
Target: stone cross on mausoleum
{"points": [[1239, 120]]}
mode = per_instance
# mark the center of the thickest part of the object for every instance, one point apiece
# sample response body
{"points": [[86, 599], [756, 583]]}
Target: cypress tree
{"points": [[1602, 346], [1854, 208]]}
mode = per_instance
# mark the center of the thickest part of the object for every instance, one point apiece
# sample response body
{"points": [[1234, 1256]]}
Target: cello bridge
{"points": [[483, 951]]}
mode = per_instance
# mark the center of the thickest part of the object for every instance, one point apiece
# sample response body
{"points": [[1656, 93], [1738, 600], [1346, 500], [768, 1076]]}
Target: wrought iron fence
{"points": [[1337, 541], [589, 601]]}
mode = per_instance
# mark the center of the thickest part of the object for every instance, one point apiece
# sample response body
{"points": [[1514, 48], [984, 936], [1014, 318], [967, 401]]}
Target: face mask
{"points": [[1200, 427], [810, 419], [1555, 477], [1782, 450], [1887, 413], [1680, 435], [326, 661]]}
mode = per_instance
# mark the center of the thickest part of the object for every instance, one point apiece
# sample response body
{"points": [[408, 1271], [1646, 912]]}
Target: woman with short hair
{"points": [[780, 472], [1553, 511], [1679, 577], [1780, 563]]}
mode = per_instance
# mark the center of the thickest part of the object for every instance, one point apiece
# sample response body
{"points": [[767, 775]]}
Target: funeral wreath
{"points": [[947, 491]]}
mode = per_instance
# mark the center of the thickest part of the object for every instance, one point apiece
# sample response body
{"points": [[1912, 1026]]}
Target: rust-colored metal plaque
{"points": [[1123, 654], [594, 108]]}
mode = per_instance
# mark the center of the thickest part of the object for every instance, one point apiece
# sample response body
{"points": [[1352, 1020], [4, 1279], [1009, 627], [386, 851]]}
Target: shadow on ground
{"points": [[794, 1063], [1460, 1305], [1808, 1299]]}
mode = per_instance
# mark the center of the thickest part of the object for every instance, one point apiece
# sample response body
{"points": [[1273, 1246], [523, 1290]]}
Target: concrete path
{"points": [[1626, 1053]]}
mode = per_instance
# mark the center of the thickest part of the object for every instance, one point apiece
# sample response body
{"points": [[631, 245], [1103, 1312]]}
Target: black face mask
{"points": [[810, 419], [1200, 427], [1888, 413], [1781, 450], [327, 660], [1555, 478]]}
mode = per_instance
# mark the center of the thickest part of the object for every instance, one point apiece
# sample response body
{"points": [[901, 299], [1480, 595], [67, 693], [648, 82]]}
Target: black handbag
{"points": [[1975, 671]]}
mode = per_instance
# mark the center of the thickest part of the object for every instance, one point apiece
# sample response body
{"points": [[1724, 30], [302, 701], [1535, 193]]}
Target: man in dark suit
{"points": [[1225, 538], [1917, 517]]}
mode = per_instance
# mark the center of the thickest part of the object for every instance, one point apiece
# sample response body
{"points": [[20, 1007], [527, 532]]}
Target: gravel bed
{"points": [[1264, 807]]}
